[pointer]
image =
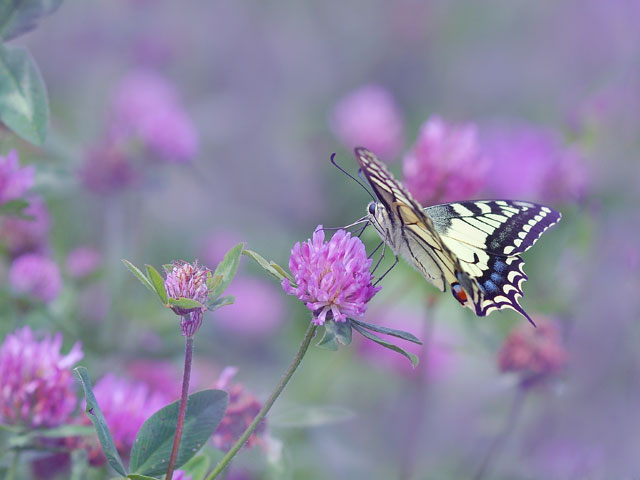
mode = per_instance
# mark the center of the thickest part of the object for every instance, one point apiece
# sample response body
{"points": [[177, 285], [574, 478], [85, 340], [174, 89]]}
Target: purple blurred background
{"points": [[179, 129]]}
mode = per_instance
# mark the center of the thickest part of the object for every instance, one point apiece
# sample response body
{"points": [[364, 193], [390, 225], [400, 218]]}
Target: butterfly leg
{"points": [[385, 273], [375, 250], [384, 248]]}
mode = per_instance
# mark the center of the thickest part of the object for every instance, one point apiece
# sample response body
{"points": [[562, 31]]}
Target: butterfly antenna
{"points": [[335, 164], [354, 224]]}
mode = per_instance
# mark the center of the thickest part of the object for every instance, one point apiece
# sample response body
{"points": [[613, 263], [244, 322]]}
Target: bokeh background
{"points": [[530, 100]]}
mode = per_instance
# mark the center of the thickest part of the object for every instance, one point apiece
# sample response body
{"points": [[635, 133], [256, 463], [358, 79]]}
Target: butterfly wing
{"points": [[409, 231], [487, 237]]}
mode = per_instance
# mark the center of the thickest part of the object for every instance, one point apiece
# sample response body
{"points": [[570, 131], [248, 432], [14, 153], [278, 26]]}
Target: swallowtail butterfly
{"points": [[473, 247]]}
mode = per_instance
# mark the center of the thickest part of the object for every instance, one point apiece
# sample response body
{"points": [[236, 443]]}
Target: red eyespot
{"points": [[459, 293]]}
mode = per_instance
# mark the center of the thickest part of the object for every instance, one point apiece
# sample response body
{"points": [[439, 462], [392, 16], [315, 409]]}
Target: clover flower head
{"points": [[445, 163], [190, 281], [147, 106], [533, 352], [14, 181], [242, 409], [36, 381], [83, 261], [36, 275], [530, 162], [331, 277], [21, 235], [108, 168], [369, 116]]}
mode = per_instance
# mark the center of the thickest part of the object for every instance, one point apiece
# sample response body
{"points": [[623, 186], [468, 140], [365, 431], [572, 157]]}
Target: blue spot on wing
{"points": [[496, 277], [490, 286], [499, 266]]}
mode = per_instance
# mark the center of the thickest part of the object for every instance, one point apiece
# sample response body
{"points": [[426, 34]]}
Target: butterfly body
{"points": [[473, 247]]}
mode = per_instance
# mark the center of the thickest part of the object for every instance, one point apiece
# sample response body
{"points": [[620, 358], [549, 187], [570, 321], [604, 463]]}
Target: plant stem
{"points": [[417, 410], [498, 442], [306, 341], [11, 474], [188, 355]]}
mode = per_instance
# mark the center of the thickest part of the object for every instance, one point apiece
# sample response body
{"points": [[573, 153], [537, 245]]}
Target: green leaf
{"points": [[282, 271], [100, 424], [213, 281], [64, 431], [335, 333], [15, 208], [168, 266], [186, 303], [389, 331], [139, 275], [24, 107], [343, 331], [365, 333], [20, 16], [270, 267], [197, 467], [221, 302], [328, 340], [227, 268], [152, 447], [158, 283], [135, 476], [311, 416], [79, 464]]}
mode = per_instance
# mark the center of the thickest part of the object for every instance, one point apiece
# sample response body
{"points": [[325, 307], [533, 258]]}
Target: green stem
{"points": [[306, 341], [11, 474], [499, 441], [188, 355], [417, 409]]}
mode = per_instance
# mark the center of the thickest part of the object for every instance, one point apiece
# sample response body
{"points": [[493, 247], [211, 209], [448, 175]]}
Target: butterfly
{"points": [[473, 247]]}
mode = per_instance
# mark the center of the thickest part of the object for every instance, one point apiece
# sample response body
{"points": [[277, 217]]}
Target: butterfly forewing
{"points": [[501, 227]]}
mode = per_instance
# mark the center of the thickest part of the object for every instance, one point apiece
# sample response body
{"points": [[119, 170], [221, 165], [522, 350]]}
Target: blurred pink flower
{"points": [[530, 163], [258, 309], [440, 358], [36, 382], [189, 281], [108, 168], [83, 261], [217, 244], [36, 275], [445, 163], [126, 405], [369, 117], [147, 106], [332, 277], [159, 376], [14, 181], [533, 352], [22, 235], [181, 475], [242, 409]]}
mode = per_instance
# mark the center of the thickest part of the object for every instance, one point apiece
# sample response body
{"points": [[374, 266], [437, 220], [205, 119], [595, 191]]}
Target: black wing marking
{"points": [[500, 227], [488, 236]]}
